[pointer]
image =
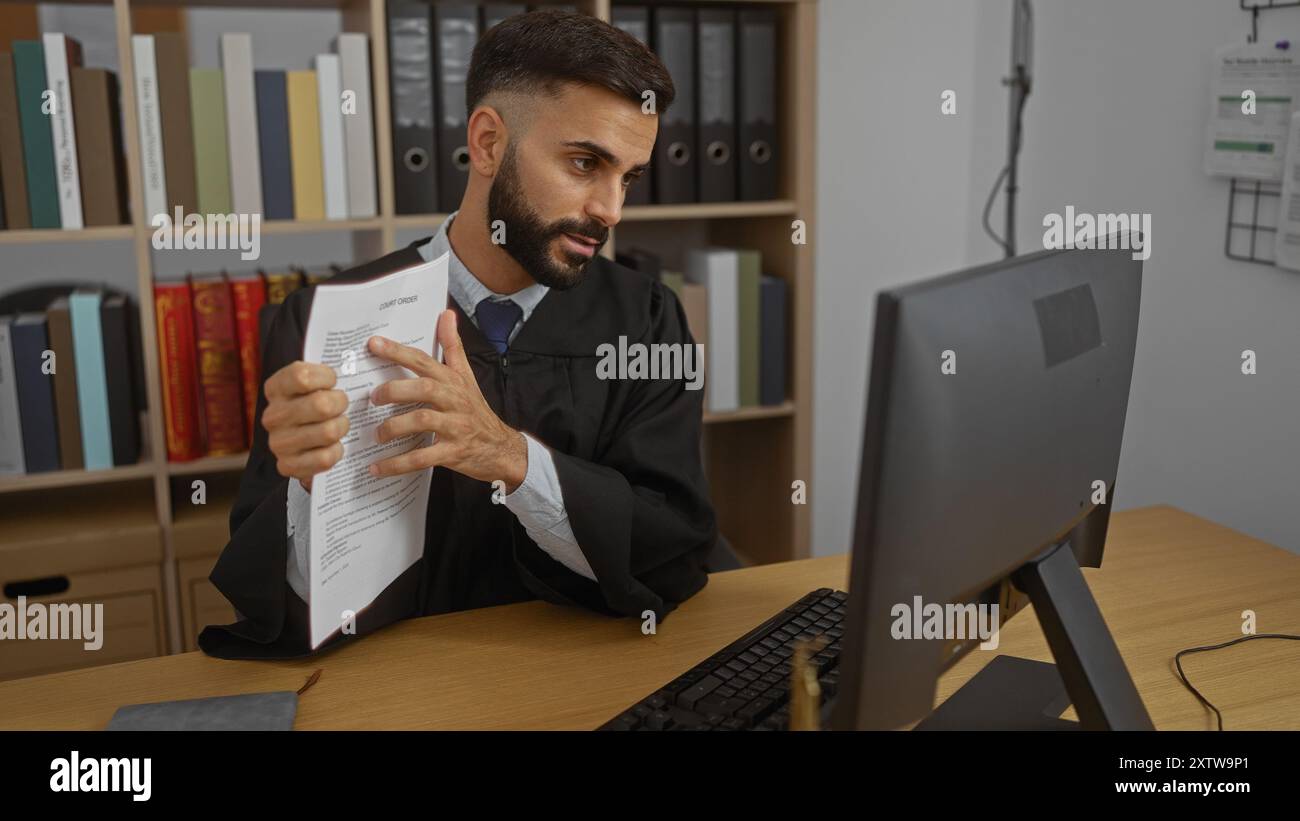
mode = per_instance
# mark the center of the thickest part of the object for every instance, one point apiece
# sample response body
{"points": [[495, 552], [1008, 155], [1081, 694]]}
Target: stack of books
{"points": [[210, 331], [61, 158], [737, 314], [70, 387], [288, 145]]}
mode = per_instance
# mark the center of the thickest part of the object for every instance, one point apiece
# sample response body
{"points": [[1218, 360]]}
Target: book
{"points": [[92, 378], [149, 124], [220, 388], [11, 431], [59, 324], [30, 341], [695, 304], [174, 110], [178, 370], [305, 145], [772, 332], [99, 146], [62, 54], [358, 125], [334, 169], [747, 316], [273, 145], [281, 283], [211, 160], [123, 417], [241, 123], [248, 294], [38, 143], [13, 170], [718, 270]]}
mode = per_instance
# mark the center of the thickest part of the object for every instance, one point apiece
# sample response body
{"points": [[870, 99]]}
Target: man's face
{"points": [[560, 186]]}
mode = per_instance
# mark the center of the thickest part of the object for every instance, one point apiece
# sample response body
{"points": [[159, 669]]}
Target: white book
{"points": [[718, 270], [58, 80], [241, 123], [358, 125], [150, 123], [334, 174], [11, 431]]}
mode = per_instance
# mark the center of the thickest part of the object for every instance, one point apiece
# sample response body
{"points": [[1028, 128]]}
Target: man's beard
{"points": [[528, 238]]}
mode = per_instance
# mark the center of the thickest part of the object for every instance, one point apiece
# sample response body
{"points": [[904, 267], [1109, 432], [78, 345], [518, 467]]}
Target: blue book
{"points": [[35, 393], [771, 343], [273, 144], [92, 381]]}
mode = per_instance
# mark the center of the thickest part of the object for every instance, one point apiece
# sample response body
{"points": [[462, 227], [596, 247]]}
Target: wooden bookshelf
{"points": [[752, 455]]}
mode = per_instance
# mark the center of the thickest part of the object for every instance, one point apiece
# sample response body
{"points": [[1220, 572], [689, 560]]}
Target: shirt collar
{"points": [[467, 289]]}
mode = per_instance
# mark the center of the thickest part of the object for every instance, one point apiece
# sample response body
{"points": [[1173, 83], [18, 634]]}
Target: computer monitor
{"points": [[993, 426]]}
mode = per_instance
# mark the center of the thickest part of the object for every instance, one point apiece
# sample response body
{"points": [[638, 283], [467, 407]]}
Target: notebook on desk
{"points": [[253, 711]]}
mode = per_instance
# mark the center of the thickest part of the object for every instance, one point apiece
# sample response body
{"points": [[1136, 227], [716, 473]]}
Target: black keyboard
{"points": [[746, 685]]}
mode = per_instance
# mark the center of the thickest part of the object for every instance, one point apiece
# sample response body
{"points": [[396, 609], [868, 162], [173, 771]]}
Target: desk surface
{"points": [[1170, 581]]}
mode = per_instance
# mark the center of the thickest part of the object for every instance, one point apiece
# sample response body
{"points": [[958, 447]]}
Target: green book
{"points": [[211, 160], [674, 280], [38, 140], [749, 304]]}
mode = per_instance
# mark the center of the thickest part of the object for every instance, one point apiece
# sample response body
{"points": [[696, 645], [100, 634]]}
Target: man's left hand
{"points": [[469, 437]]}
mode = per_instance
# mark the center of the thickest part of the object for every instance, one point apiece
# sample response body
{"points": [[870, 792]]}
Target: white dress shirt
{"points": [[537, 503]]}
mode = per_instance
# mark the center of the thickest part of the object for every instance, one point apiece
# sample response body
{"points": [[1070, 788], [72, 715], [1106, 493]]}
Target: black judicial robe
{"points": [[627, 454]]}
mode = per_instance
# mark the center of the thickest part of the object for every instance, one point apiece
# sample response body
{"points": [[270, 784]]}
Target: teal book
{"points": [[38, 139], [92, 381]]}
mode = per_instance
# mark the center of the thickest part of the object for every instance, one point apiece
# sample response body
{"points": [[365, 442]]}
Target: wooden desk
{"points": [[1171, 580]]}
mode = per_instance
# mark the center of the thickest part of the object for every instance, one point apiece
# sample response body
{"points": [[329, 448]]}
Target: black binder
{"points": [[756, 62], [494, 13], [635, 20], [715, 145], [674, 156], [456, 27], [123, 416], [410, 69]]}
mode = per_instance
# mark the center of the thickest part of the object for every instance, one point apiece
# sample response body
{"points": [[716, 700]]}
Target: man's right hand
{"points": [[305, 419]]}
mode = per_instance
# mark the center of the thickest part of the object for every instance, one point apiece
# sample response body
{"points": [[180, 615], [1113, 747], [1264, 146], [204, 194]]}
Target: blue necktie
{"points": [[496, 319]]}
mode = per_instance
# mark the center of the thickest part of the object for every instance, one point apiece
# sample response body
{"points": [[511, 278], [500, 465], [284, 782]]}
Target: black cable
{"points": [[988, 204], [1179, 664]]}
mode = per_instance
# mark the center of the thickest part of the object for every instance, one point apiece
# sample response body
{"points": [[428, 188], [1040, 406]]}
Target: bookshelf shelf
{"points": [[208, 464], [416, 221], [786, 408], [321, 226], [58, 235], [751, 455], [710, 210], [71, 478]]}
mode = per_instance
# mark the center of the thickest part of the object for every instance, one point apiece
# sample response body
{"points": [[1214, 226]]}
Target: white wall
{"points": [[892, 183], [1115, 124]]}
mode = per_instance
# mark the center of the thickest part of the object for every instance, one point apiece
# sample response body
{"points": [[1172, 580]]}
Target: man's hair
{"points": [[539, 52]]}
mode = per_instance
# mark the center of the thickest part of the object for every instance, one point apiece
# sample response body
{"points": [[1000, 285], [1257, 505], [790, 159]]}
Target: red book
{"points": [[176, 356], [218, 363], [249, 295]]}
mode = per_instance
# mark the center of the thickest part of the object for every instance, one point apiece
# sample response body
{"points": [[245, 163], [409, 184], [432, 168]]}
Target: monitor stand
{"points": [[1018, 694]]}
